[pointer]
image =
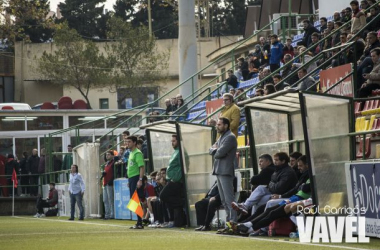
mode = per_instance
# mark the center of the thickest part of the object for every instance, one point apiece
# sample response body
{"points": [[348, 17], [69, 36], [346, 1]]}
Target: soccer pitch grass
{"points": [[58, 233]]}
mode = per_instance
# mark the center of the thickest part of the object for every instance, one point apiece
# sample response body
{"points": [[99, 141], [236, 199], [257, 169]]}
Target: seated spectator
{"points": [[50, 201], [374, 26], [346, 15], [212, 122], [181, 109], [301, 191], [253, 71], [306, 83], [232, 112], [242, 71], [289, 70], [323, 21], [335, 38], [358, 18], [267, 168], [205, 209], [360, 44], [269, 89], [309, 29], [171, 194], [364, 5], [276, 53], [232, 91], [315, 40], [254, 57], [288, 49], [336, 17], [173, 102], [305, 58], [373, 78], [153, 176], [365, 62], [259, 92], [278, 83], [232, 79], [262, 75], [243, 97], [343, 58], [282, 180], [293, 162], [169, 107]]}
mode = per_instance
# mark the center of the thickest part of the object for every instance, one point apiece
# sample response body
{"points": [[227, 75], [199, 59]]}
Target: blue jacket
{"points": [[276, 53]]}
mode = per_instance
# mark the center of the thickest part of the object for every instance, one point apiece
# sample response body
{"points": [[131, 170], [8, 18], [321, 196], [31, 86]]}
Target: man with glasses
{"points": [[232, 112]]}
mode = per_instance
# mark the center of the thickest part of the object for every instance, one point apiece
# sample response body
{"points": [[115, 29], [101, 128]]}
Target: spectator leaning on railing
{"points": [[309, 30]]}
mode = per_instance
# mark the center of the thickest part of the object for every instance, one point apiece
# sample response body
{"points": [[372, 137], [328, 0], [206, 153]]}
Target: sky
{"points": [[54, 3]]}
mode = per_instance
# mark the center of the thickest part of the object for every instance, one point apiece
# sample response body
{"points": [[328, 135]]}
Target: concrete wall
{"points": [[31, 91], [328, 7]]}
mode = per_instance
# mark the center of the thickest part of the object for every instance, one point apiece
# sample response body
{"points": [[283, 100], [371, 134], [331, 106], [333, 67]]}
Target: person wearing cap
{"points": [[232, 112], [50, 201]]}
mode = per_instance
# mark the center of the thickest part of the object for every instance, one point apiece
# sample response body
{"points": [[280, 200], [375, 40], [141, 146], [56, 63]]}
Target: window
{"points": [[128, 103], [103, 103]]}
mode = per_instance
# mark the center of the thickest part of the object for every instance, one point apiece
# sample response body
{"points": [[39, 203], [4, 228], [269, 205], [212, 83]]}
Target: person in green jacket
{"points": [[172, 192]]}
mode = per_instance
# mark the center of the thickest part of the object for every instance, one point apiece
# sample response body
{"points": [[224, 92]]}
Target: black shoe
{"points": [[145, 222], [205, 228], [137, 227], [199, 228], [243, 229], [258, 233], [71, 219], [81, 219]]}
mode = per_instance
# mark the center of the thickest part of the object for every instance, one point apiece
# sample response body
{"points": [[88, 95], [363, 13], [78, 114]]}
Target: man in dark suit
{"points": [[205, 208], [224, 152]]}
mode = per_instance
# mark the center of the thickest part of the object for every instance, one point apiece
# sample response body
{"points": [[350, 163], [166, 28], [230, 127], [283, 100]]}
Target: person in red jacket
{"points": [[108, 177], [3, 180]]}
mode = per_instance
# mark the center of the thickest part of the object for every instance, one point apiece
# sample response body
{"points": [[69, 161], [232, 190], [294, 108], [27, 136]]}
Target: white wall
{"points": [[328, 7]]}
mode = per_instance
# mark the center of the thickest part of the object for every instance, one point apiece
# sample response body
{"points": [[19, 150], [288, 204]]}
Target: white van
{"points": [[16, 106]]}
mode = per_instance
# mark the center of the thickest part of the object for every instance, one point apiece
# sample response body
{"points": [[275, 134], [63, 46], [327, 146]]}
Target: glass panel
{"points": [[25, 144], [196, 141], [9, 89], [56, 146], [76, 120], [121, 121], [12, 123], [161, 149], [6, 146], [270, 128], [45, 123], [329, 117]]}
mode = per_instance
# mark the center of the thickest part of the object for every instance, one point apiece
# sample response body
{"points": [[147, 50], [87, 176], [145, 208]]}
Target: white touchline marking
{"points": [[71, 232], [171, 230]]}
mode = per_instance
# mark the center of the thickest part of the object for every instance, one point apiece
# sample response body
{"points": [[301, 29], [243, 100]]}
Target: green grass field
{"points": [[58, 233]]}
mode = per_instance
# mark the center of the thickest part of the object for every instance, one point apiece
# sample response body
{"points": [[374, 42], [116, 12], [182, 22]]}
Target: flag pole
{"points": [[13, 199]]}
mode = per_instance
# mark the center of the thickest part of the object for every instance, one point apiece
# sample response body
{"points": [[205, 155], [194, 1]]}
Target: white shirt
{"points": [[76, 183]]}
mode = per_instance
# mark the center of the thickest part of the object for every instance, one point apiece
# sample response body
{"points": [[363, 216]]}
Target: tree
{"points": [[25, 21], [76, 62], [134, 58], [164, 16], [84, 16]]}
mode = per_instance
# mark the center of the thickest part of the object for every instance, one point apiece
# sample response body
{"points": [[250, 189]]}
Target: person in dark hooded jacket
{"points": [[10, 165]]}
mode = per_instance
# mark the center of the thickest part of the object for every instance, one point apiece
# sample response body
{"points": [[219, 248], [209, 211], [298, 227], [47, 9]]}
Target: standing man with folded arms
{"points": [[224, 152]]}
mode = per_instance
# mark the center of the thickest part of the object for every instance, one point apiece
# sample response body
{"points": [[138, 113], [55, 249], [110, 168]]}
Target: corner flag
{"points": [[14, 179], [135, 206]]}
